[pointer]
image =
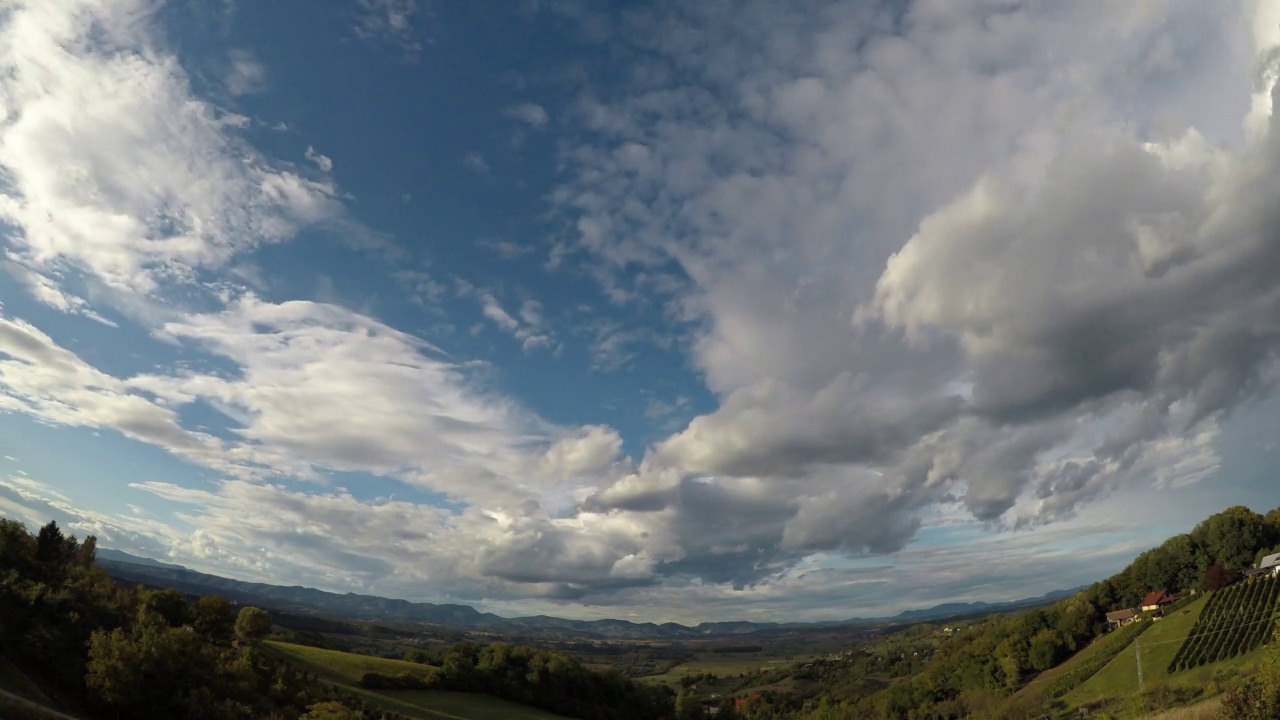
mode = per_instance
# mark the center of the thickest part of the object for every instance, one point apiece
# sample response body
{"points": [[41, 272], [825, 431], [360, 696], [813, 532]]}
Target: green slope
{"points": [[1159, 644], [1116, 685], [345, 670], [1042, 682], [342, 668]]}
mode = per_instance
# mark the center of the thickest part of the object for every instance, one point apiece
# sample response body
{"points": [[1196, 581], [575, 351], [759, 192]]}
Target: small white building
{"points": [[1269, 565]]}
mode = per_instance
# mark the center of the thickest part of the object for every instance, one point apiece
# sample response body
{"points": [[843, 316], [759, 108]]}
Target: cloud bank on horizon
{"points": [[703, 312]]}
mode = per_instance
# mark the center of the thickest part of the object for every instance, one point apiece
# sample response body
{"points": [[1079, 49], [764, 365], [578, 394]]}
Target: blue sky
{"points": [[639, 310]]}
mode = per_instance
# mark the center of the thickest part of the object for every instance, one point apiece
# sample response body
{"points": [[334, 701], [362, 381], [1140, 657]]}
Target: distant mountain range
{"points": [[130, 568]]}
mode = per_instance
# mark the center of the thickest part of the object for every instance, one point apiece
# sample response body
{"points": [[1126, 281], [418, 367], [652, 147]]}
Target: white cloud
{"points": [[246, 75], [998, 354], [45, 381], [590, 453], [322, 161], [390, 21], [1001, 317], [531, 114], [114, 169], [46, 291], [320, 387], [529, 329]]}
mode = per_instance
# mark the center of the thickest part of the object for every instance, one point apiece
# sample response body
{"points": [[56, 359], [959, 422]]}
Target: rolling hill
{"points": [[131, 569], [346, 669]]}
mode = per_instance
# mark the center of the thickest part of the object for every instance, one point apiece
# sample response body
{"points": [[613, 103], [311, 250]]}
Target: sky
{"points": [[649, 310]]}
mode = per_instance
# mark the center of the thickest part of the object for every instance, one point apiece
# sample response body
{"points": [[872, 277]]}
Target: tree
{"points": [[1218, 577], [728, 709], [17, 547], [1046, 650], [688, 707], [54, 547], [1231, 537], [88, 553], [213, 618], [149, 671], [422, 657], [330, 711], [168, 604], [253, 624]]}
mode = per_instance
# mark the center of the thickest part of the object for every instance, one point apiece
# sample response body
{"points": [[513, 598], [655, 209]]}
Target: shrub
{"points": [[402, 681]]}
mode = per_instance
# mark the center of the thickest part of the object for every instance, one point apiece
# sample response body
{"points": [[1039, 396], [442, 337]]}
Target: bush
{"points": [[402, 681]]}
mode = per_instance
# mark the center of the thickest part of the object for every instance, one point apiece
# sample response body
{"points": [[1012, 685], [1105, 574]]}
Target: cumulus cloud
{"points": [[1077, 301], [590, 452]]}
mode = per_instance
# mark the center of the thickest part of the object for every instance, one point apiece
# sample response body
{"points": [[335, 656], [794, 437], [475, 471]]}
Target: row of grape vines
{"points": [[1236, 619]]}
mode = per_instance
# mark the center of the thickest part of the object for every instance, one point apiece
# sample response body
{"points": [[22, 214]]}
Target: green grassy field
{"points": [[346, 669], [342, 668], [1042, 681], [1116, 685], [723, 665], [1159, 644]]}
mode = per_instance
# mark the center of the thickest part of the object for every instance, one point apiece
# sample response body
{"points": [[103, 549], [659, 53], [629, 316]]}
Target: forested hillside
{"points": [[136, 653], [122, 653], [109, 652], [976, 672]]}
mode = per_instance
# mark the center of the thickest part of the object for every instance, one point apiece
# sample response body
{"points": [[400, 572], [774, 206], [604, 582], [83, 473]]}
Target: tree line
{"points": [[551, 681], [111, 652]]}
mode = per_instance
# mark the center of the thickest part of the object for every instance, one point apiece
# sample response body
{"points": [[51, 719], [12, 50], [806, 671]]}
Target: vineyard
{"points": [[1236, 620]]}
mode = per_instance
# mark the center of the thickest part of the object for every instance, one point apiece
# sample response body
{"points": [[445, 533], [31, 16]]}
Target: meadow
{"points": [[346, 669]]}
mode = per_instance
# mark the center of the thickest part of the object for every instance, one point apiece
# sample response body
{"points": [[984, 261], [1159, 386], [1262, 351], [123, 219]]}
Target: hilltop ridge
{"points": [[131, 568]]}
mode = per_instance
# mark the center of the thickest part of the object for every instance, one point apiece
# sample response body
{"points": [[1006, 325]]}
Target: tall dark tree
{"points": [[52, 546]]}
